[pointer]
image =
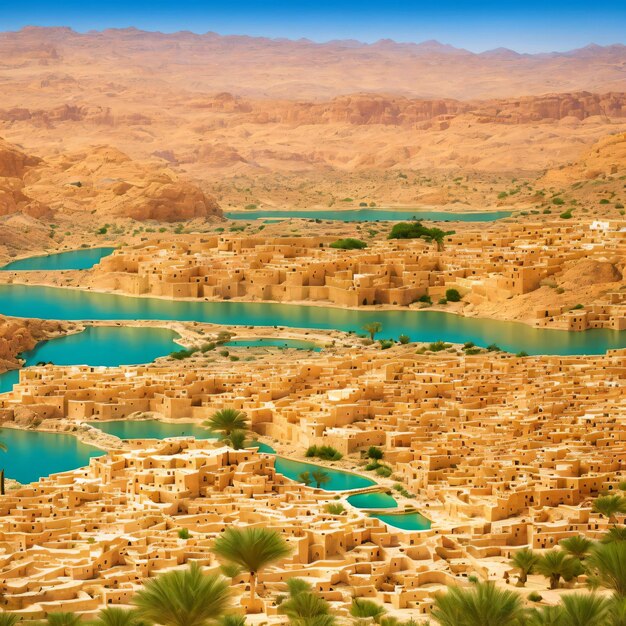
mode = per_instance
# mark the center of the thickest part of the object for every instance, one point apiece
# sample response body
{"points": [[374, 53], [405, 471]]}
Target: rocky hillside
{"points": [[100, 181]]}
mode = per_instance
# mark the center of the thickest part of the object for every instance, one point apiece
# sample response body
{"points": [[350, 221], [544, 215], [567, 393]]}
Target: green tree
{"points": [[483, 604], [584, 609], [183, 598], [252, 549], [226, 421], [606, 565], [373, 328], [362, 608], [524, 562], [577, 546], [610, 506], [304, 607], [305, 477], [557, 564], [320, 477], [545, 616], [237, 439], [615, 533]]}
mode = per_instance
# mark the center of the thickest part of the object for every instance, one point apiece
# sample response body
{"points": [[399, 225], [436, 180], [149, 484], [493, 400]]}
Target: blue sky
{"points": [[525, 26]]}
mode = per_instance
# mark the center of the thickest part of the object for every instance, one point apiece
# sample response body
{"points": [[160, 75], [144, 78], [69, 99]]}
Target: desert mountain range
{"points": [[249, 120]]}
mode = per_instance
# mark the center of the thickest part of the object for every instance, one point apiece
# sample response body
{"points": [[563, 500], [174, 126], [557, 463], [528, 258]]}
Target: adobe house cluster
{"points": [[485, 264]]}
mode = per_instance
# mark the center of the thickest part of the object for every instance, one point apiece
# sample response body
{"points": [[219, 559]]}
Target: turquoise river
{"points": [[75, 304], [370, 215], [83, 259]]}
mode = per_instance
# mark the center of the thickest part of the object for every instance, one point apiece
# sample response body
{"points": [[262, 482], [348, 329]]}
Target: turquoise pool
{"points": [[99, 345], [376, 500], [339, 480], [371, 215], [404, 521], [155, 429], [32, 454], [75, 304], [73, 260]]}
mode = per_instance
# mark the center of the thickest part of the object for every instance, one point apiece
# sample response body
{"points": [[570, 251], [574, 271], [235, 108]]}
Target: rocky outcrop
{"points": [[606, 158], [17, 335], [101, 180], [14, 164]]}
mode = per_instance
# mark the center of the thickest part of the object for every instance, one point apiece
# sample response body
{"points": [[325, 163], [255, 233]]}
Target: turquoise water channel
{"points": [[73, 260], [99, 345], [74, 304], [371, 215]]}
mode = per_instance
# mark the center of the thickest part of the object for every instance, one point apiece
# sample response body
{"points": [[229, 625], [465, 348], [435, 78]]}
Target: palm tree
{"points": [[8, 619], [524, 561], [481, 605], [116, 616], [304, 607], [252, 549], [63, 619], [577, 546], [237, 439], [610, 506], [557, 564], [362, 608], [373, 328], [615, 533], [607, 567], [3, 448], [183, 598], [545, 616], [584, 609], [320, 477], [617, 611], [225, 421], [305, 477]]}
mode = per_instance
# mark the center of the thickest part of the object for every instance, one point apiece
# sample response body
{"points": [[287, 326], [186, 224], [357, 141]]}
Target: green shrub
{"points": [[442, 301], [326, 453], [452, 295], [385, 344], [558, 201], [348, 244], [566, 215], [415, 230], [181, 354], [183, 533], [374, 452], [384, 471], [535, 596], [335, 508], [404, 339], [425, 298], [438, 346], [604, 201], [492, 347]]}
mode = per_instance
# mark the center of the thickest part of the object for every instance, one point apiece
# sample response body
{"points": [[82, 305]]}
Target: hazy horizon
{"points": [[480, 26]]}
